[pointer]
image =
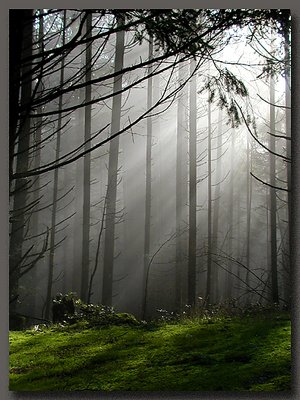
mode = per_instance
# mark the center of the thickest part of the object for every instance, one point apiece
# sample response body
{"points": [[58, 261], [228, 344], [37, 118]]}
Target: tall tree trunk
{"points": [[272, 193], [21, 185], [288, 249], [229, 277], [209, 208], [55, 189], [192, 188], [248, 206], [148, 182], [181, 180], [77, 231], [87, 167], [109, 243], [37, 161], [238, 237], [215, 227]]}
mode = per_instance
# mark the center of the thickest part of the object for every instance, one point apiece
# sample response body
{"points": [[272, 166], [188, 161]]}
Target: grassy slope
{"points": [[221, 354]]}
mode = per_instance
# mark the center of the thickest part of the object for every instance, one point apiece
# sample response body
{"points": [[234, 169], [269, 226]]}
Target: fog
{"points": [[241, 176]]}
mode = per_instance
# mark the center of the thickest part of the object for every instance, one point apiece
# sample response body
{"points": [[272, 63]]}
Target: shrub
{"points": [[63, 307], [69, 309]]}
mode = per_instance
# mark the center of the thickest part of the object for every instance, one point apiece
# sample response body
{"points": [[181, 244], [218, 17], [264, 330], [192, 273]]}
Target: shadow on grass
{"points": [[231, 355]]}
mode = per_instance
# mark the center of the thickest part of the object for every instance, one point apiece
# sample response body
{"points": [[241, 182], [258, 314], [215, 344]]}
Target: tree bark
{"points": [[55, 191], [216, 209], [192, 188], [249, 206], [229, 277], [87, 167], [148, 182], [109, 243], [23, 137], [209, 208], [181, 193], [37, 162], [288, 248], [272, 194]]}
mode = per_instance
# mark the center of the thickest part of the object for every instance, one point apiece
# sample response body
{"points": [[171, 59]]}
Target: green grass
{"points": [[237, 354]]}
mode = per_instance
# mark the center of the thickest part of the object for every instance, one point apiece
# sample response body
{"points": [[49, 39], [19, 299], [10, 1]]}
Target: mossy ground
{"points": [[226, 354]]}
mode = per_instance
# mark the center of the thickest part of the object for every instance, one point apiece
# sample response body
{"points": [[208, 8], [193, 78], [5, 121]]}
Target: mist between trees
{"points": [[150, 155]]}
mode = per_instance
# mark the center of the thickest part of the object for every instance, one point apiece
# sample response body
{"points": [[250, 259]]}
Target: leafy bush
{"points": [[69, 309], [63, 307]]}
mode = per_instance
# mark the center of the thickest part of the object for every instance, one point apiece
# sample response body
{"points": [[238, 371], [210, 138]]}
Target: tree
{"points": [[209, 205], [216, 209], [272, 194], [148, 179], [181, 179], [55, 189], [87, 166], [112, 173], [37, 160], [249, 207], [228, 289], [287, 74], [19, 133], [192, 187]]}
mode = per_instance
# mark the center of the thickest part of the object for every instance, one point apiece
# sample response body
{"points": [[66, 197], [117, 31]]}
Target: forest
{"points": [[150, 187]]}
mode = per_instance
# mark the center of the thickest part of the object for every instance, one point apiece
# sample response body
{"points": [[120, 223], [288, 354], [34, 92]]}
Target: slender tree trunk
{"points": [[148, 182], [55, 191], [181, 180], [35, 217], [109, 243], [37, 162], [209, 209], [97, 254], [268, 237], [87, 167], [238, 238], [21, 185], [78, 220], [272, 193], [215, 227], [229, 276], [249, 206], [288, 249], [192, 188]]}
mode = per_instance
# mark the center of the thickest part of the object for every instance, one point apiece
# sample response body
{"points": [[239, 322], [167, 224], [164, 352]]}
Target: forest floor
{"points": [[213, 354]]}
